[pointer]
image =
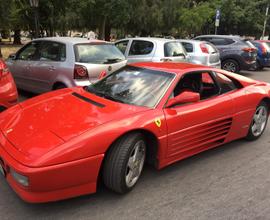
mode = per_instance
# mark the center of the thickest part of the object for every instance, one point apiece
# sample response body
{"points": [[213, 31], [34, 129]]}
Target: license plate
{"points": [[2, 170]]}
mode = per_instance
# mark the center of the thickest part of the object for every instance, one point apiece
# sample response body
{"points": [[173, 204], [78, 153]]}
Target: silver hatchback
{"points": [[202, 52], [58, 62], [143, 49]]}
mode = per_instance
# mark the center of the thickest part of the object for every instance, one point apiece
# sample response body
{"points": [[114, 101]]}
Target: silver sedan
{"points": [[58, 62]]}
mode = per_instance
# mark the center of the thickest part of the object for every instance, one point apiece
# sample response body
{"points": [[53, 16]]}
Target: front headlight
{"points": [[23, 180]]}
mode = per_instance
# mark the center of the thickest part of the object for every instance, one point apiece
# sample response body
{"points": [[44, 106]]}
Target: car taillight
{"points": [[80, 72], [102, 74], [204, 48], [264, 50], [249, 50], [3, 69]]}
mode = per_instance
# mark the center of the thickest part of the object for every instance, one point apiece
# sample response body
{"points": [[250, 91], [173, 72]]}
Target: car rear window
{"points": [[174, 49], [188, 46], [98, 53]]}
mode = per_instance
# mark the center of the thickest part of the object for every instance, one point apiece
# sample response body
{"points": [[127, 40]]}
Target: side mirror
{"points": [[12, 56], [184, 97]]}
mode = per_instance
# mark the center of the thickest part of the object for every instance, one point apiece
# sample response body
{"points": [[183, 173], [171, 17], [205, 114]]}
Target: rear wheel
{"points": [[231, 66], [124, 163], [259, 122], [258, 66]]}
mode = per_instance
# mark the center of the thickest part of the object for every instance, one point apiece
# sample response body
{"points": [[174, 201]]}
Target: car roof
{"points": [[223, 36], [171, 67], [156, 39], [69, 40]]}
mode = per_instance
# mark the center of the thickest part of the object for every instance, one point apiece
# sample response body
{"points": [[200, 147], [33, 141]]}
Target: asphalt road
{"points": [[229, 182]]}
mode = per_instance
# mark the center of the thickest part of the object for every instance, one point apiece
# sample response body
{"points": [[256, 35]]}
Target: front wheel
{"points": [[259, 122], [124, 163]]}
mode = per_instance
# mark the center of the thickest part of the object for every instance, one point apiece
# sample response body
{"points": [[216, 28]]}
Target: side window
{"points": [[122, 46], [201, 82], [221, 41], [226, 84], [30, 52], [188, 47], [139, 47], [52, 51]]}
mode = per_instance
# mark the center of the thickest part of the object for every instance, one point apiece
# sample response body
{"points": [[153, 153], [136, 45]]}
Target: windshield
{"points": [[133, 85], [98, 53]]}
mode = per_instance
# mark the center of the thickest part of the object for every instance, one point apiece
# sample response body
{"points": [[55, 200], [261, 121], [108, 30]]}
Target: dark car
{"points": [[235, 53], [263, 58]]}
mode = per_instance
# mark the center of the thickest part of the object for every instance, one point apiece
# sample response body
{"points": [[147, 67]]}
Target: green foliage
{"points": [[136, 17]]}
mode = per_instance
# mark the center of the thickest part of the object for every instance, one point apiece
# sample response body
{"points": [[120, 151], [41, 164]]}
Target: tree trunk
{"points": [[102, 28], [108, 32], [17, 37], [1, 56]]}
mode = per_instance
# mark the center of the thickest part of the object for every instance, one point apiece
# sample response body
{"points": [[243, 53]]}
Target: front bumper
{"points": [[53, 183]]}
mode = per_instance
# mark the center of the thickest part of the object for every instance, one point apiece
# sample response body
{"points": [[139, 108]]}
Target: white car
{"points": [[145, 49], [52, 63], [202, 52]]}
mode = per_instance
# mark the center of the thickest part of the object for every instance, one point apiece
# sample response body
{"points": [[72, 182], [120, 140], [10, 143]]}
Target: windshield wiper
{"points": [[115, 60], [103, 94]]}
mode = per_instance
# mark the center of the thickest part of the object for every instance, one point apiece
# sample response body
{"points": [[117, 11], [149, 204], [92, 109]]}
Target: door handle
{"points": [[51, 68]]}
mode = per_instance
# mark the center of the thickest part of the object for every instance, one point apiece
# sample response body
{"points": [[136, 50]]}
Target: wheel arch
{"points": [[151, 148], [57, 83], [267, 101]]}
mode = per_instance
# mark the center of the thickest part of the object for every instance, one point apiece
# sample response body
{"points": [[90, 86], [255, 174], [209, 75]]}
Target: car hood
{"points": [[38, 125]]}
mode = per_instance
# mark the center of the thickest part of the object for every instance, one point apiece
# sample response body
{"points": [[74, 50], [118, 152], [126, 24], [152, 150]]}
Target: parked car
{"points": [[52, 63], [152, 49], [236, 54], [8, 90], [58, 144], [263, 57], [202, 52]]}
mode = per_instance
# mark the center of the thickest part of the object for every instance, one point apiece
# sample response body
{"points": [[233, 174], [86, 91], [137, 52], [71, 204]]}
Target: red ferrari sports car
{"points": [[57, 145], [8, 90]]}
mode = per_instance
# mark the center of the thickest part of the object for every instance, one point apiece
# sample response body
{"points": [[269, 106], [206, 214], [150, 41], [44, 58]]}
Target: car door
{"points": [[21, 65], [195, 127], [44, 71], [141, 51]]}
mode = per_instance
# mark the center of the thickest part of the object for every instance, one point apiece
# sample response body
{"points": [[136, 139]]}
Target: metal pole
{"points": [[36, 23], [265, 20]]}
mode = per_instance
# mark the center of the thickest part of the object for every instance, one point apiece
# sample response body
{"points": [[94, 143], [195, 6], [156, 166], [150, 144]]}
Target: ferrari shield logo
{"points": [[158, 122]]}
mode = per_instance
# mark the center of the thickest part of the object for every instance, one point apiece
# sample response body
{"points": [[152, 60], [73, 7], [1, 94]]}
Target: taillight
{"points": [[80, 72], [3, 69], [102, 74], [204, 48], [249, 50], [264, 50]]}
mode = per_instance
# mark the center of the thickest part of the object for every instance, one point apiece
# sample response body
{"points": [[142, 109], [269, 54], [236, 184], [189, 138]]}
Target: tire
{"points": [[121, 163], [231, 66], [259, 122], [258, 66]]}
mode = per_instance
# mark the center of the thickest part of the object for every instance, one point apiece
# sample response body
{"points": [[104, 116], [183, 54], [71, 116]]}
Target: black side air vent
{"points": [[88, 100]]}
